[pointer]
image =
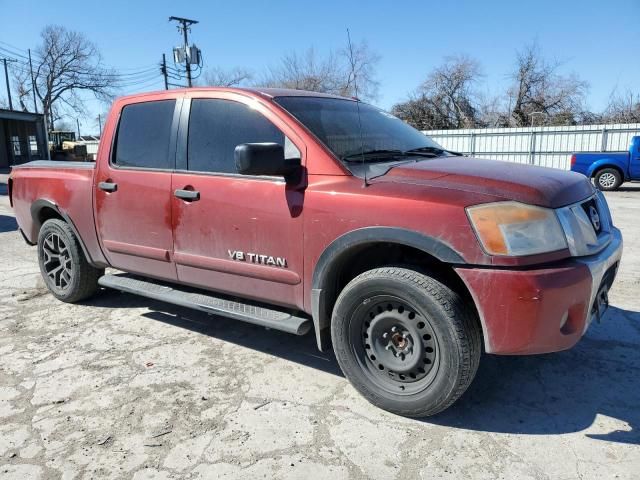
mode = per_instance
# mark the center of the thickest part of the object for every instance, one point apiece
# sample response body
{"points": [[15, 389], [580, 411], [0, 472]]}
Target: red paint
{"points": [[144, 228], [522, 310]]}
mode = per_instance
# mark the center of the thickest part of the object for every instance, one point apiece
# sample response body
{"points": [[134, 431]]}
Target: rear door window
{"points": [[217, 126], [144, 134]]}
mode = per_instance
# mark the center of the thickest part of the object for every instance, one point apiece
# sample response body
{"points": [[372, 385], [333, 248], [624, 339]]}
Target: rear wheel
{"points": [[64, 268], [407, 342], [608, 179]]}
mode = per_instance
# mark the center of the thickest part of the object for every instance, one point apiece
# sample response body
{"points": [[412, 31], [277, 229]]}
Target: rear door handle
{"points": [[187, 195], [108, 186]]}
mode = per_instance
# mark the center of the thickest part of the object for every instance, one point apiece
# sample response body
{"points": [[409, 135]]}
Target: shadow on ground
{"points": [[561, 392], [629, 187], [8, 223], [536, 395]]}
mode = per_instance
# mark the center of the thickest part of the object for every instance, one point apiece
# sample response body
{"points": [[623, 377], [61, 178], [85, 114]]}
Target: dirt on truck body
{"points": [[300, 211]]}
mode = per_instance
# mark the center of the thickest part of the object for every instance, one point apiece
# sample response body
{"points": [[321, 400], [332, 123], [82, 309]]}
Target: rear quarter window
{"points": [[144, 134]]}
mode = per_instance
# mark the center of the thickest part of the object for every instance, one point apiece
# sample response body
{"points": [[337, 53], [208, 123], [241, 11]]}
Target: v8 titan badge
{"points": [[257, 258]]}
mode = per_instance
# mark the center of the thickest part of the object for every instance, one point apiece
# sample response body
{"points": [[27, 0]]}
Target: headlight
{"points": [[515, 229]]}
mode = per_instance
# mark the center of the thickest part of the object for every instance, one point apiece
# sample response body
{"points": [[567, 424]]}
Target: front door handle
{"points": [[108, 186], [187, 195]]}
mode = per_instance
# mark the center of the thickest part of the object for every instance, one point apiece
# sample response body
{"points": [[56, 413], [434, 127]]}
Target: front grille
{"points": [[590, 208], [587, 225], [610, 275]]}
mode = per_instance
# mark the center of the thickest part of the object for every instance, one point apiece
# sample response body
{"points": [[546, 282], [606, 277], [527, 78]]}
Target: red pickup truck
{"points": [[296, 210]]}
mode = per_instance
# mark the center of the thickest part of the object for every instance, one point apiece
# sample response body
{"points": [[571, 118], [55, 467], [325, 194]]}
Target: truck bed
{"points": [[44, 188], [585, 163]]}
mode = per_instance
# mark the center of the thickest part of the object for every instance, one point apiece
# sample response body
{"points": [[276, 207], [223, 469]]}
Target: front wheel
{"points": [[405, 341], [64, 268], [608, 179]]}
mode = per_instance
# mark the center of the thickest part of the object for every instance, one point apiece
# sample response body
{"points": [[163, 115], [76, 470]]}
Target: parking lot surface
{"points": [[125, 387]]}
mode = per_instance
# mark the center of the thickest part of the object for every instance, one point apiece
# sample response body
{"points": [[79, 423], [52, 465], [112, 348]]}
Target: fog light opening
{"points": [[563, 320], [568, 325]]}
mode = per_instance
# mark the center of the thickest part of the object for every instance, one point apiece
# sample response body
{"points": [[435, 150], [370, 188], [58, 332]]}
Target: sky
{"points": [[599, 41]]}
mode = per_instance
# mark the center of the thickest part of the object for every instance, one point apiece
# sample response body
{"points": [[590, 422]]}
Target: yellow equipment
{"points": [[63, 146]]}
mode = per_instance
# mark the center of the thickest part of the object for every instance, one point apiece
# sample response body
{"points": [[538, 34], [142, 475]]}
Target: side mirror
{"points": [[264, 159]]}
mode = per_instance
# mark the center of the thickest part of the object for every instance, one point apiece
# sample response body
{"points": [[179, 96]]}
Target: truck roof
{"points": [[263, 91]]}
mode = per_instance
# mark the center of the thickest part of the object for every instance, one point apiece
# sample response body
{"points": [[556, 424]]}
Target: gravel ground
{"points": [[124, 387]]}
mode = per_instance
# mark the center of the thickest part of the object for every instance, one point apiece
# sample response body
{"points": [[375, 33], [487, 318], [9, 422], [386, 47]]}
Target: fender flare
{"points": [[41, 203], [605, 163], [329, 260]]}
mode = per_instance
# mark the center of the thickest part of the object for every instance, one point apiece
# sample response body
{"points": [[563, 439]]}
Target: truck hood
{"points": [[546, 187]]}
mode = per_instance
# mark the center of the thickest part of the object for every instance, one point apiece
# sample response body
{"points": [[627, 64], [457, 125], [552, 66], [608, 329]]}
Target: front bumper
{"points": [[544, 309]]}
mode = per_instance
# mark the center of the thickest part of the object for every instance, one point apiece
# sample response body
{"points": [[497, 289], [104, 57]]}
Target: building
{"points": [[22, 138], [92, 142]]}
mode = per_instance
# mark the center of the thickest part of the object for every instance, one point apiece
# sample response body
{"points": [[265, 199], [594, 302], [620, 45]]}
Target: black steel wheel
{"points": [[64, 268], [398, 347], [406, 341]]}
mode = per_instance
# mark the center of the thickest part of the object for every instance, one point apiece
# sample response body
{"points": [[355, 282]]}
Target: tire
{"points": [[425, 364], [64, 268], [608, 179]]}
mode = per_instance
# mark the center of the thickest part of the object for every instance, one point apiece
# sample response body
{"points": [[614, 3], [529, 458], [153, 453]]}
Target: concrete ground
{"points": [[124, 387]]}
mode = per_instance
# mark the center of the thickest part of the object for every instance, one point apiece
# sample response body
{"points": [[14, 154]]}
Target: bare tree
{"points": [[217, 77], [418, 112], [359, 63], [333, 73], [538, 87], [451, 88], [65, 64], [448, 98], [492, 112], [22, 88], [622, 108]]}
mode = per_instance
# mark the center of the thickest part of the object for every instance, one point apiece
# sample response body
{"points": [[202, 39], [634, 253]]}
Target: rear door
{"points": [[237, 234], [133, 190]]}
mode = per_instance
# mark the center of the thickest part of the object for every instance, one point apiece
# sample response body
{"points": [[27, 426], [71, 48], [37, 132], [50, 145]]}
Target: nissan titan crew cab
{"points": [[296, 211]]}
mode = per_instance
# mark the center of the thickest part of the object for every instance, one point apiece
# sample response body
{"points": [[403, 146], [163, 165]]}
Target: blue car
{"points": [[610, 170]]}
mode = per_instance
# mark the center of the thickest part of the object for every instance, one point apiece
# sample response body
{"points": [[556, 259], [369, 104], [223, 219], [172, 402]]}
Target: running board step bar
{"points": [[257, 315]]}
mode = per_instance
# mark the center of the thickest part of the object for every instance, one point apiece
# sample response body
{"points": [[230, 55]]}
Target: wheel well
{"points": [[612, 167], [361, 258], [44, 214]]}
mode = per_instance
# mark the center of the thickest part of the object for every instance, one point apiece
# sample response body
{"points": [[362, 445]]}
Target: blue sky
{"points": [[600, 41]]}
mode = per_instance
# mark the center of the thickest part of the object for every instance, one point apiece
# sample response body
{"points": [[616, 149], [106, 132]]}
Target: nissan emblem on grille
{"points": [[595, 218]]}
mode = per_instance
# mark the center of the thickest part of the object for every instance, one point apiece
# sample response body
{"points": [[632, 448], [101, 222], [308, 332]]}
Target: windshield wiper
{"points": [[377, 155], [383, 155], [430, 151], [433, 152]]}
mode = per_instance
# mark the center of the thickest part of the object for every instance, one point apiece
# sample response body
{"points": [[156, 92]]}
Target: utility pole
{"points": [[78, 124], [163, 69], [33, 83], [184, 28], [6, 77], [100, 124]]}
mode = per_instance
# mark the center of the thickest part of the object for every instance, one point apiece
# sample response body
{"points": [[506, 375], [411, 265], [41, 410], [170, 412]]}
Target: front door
{"points": [[133, 191], [634, 159], [234, 233]]}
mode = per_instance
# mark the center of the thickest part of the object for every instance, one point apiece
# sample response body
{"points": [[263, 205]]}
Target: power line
{"points": [[130, 71], [142, 75]]}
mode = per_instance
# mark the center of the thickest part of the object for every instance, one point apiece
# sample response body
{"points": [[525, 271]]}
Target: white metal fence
{"points": [[545, 146]]}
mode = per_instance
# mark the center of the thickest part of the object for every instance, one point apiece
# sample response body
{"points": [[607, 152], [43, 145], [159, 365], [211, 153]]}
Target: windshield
{"points": [[335, 122]]}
